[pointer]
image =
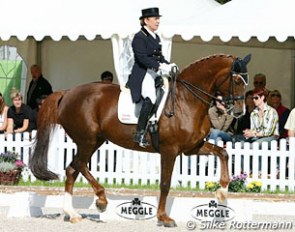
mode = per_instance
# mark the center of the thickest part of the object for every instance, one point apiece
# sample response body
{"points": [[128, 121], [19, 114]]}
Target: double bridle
{"points": [[197, 92]]}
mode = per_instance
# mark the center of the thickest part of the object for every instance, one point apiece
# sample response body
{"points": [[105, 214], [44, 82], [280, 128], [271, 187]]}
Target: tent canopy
{"points": [[188, 18], [246, 19], [90, 18]]}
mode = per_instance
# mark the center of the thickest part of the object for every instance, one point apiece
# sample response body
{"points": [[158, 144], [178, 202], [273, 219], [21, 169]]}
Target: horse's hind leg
{"points": [[71, 176], [212, 149], [101, 202], [78, 165]]}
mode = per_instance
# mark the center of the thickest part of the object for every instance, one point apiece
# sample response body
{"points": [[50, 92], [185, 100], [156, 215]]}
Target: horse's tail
{"points": [[46, 122]]}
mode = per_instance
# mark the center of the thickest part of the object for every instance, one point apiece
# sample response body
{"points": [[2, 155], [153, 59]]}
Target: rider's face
{"points": [[152, 23]]}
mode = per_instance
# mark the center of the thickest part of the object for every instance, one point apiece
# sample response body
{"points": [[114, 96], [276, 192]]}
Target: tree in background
{"points": [[222, 1]]}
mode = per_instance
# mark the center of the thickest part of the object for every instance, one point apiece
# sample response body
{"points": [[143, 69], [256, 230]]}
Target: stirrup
{"points": [[140, 138]]}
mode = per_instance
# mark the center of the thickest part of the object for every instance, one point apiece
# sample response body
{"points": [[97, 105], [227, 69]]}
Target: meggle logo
{"points": [[213, 211], [136, 210]]}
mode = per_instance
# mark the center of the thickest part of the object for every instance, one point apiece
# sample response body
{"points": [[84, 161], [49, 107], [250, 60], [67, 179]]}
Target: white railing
{"points": [[273, 166]]}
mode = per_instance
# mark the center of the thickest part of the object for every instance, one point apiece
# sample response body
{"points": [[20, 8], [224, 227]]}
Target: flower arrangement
{"points": [[212, 186], [236, 184], [10, 167], [254, 186]]}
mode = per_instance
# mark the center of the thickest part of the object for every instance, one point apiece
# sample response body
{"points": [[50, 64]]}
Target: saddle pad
{"points": [[128, 111]]}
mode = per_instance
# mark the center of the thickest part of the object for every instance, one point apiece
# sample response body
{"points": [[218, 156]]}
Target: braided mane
{"points": [[207, 58]]}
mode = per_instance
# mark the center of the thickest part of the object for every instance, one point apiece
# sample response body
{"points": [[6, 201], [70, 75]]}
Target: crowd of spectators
{"points": [[265, 119], [22, 117]]}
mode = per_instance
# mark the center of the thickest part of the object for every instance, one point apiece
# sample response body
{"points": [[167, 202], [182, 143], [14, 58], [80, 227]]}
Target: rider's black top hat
{"points": [[150, 12]]}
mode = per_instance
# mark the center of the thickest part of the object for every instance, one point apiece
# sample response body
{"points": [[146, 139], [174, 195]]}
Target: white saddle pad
{"points": [[128, 111]]}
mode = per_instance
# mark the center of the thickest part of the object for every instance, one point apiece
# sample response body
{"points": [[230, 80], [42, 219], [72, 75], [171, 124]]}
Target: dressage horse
{"points": [[89, 115]]}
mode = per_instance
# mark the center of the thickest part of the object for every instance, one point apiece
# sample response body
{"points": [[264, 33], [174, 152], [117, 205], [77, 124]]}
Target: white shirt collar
{"points": [[151, 32]]}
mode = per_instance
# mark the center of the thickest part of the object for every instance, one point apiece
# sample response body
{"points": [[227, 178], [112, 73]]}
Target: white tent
{"points": [[245, 19], [89, 18], [182, 23], [188, 18]]}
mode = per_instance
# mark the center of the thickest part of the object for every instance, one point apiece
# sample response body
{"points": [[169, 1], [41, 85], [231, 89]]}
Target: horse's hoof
{"points": [[170, 223], [76, 220], [221, 194], [101, 205]]}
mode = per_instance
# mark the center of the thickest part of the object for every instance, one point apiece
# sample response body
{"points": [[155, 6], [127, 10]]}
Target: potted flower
{"points": [[10, 168]]}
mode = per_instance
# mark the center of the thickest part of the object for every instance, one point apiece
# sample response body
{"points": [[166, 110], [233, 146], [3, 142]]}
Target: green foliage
{"points": [[7, 166], [254, 187], [212, 186], [222, 1], [9, 161], [237, 183], [8, 156]]}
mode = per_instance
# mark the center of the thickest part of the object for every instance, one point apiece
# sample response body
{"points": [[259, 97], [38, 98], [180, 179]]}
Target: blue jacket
{"points": [[147, 55]]}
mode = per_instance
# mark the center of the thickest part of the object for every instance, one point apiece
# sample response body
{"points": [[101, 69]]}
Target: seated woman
{"points": [[220, 120], [19, 114], [275, 101], [3, 115], [264, 120]]}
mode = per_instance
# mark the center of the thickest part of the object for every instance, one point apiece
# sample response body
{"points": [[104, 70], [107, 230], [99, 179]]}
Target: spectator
{"points": [[275, 101], [3, 114], [290, 124], [33, 124], [107, 77], [19, 114], [38, 86], [244, 121], [260, 82], [264, 119], [220, 120]]}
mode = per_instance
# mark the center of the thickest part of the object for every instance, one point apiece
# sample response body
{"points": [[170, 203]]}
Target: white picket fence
{"points": [[273, 166]]}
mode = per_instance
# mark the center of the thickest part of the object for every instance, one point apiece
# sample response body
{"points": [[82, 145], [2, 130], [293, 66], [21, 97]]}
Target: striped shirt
{"points": [[290, 124], [269, 123]]}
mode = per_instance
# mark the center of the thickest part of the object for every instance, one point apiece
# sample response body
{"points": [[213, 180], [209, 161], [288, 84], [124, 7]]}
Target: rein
{"points": [[191, 88], [229, 100], [174, 74]]}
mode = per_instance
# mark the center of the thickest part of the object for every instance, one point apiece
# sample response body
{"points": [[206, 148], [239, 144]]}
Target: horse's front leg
{"points": [[212, 149], [71, 176], [167, 164]]}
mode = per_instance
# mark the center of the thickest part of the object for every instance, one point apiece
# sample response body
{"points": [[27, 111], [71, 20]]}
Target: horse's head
{"points": [[234, 91]]}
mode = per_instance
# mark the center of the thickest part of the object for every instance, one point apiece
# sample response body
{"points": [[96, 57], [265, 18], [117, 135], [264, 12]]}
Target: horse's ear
{"points": [[247, 59]]}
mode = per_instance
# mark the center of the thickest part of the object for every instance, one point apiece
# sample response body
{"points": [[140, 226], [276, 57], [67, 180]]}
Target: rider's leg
{"points": [[149, 94], [140, 136]]}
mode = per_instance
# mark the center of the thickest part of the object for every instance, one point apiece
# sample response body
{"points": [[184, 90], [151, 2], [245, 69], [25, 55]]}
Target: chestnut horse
{"points": [[89, 115]]}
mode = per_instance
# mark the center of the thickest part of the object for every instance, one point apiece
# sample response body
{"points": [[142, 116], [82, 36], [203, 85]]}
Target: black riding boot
{"points": [[140, 136]]}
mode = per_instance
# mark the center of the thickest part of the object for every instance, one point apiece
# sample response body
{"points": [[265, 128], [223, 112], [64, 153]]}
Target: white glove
{"points": [[165, 67]]}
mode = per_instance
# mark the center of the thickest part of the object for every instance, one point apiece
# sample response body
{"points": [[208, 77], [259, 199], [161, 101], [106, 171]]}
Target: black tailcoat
{"points": [[147, 55]]}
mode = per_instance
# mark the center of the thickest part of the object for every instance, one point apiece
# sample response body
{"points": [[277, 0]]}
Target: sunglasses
{"points": [[255, 98], [275, 95], [258, 82]]}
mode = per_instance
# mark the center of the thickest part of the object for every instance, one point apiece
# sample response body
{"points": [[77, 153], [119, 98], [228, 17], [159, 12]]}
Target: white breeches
{"points": [[148, 85]]}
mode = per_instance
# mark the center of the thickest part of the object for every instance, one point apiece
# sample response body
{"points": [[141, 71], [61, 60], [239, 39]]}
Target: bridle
{"points": [[197, 92]]}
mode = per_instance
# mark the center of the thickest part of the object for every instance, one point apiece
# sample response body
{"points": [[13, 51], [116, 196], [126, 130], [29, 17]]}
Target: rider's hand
{"points": [[165, 69]]}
